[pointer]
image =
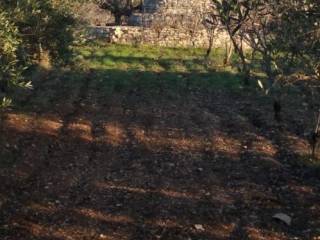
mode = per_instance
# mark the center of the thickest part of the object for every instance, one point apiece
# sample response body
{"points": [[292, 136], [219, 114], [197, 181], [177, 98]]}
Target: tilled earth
{"points": [[132, 165]]}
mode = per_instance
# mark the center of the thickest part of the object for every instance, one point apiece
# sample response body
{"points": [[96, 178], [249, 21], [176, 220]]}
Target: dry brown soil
{"points": [[204, 165]]}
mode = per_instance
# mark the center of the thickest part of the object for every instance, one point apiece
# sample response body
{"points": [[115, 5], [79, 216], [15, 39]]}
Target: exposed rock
{"points": [[169, 37], [168, 23]]}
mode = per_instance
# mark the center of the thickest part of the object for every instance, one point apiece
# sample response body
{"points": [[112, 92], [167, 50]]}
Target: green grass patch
{"points": [[123, 66]]}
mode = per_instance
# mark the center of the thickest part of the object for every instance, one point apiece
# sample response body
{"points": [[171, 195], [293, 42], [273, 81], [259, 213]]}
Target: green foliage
{"points": [[29, 31], [120, 8], [10, 71], [9, 43], [42, 27], [124, 67], [299, 36], [283, 35]]}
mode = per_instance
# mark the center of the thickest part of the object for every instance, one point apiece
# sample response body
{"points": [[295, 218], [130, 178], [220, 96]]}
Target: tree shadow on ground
{"points": [[94, 160]]}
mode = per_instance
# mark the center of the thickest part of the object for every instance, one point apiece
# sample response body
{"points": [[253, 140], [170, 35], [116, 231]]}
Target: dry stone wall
{"points": [[169, 23], [168, 37]]}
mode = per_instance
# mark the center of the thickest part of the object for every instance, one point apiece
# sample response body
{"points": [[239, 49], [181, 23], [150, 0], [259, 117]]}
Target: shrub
{"points": [[29, 31], [10, 69]]}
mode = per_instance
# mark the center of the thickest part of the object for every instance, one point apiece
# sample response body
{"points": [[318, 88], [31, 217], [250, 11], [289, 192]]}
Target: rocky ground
{"points": [[209, 164]]}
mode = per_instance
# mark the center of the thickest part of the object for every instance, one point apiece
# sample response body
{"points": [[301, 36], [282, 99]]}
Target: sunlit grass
{"points": [[149, 66]]}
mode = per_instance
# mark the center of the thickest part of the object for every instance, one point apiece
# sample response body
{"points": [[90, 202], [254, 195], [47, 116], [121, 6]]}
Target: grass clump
{"points": [[125, 66]]}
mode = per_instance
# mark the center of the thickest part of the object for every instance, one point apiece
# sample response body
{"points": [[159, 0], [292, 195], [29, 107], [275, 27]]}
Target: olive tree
{"points": [[284, 36], [232, 15], [10, 71], [211, 24], [28, 29], [120, 8], [281, 33]]}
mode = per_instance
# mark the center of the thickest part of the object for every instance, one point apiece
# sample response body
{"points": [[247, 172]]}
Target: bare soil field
{"points": [[196, 164]]}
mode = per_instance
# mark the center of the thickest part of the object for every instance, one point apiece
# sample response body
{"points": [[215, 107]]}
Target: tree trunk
{"points": [[245, 69], [209, 50], [229, 52], [268, 68], [246, 74], [117, 18]]}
